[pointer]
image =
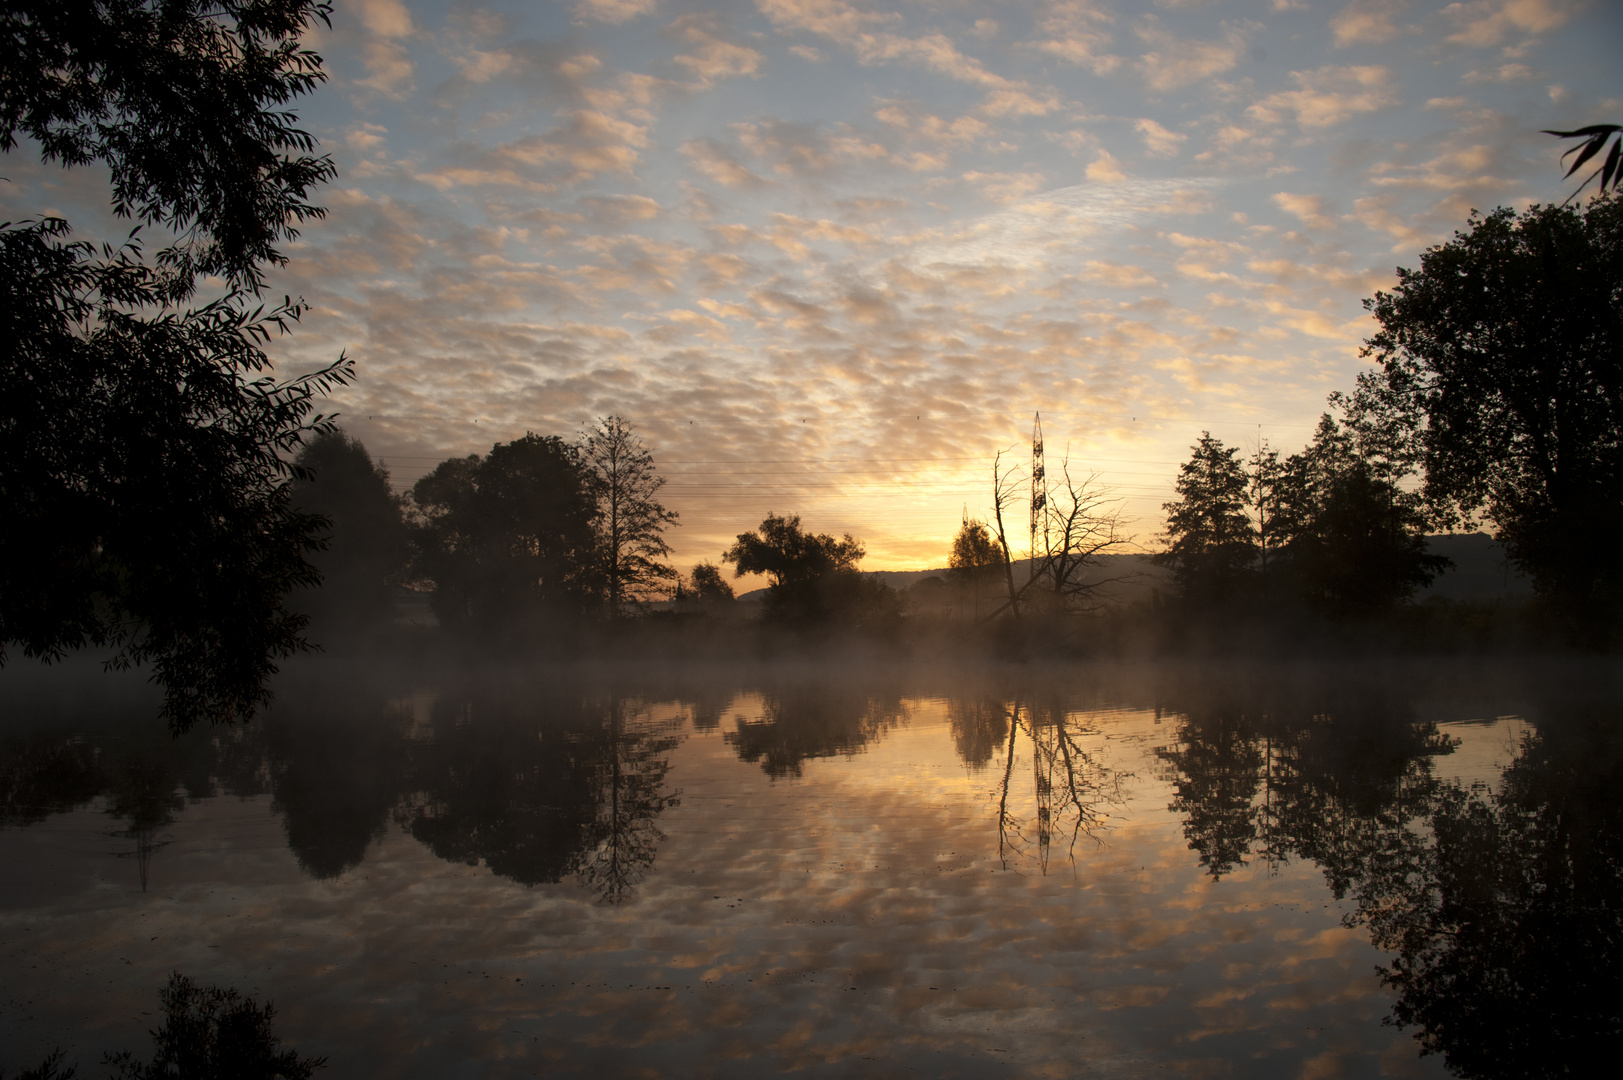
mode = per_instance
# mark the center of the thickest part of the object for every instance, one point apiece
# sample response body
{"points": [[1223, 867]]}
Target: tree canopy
{"points": [[183, 101], [509, 536], [813, 575], [631, 520], [1211, 543], [1501, 377], [145, 447], [975, 555], [1351, 539], [366, 542]]}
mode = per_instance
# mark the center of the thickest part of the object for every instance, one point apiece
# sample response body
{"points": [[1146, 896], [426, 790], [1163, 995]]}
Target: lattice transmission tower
{"points": [[1039, 486]]}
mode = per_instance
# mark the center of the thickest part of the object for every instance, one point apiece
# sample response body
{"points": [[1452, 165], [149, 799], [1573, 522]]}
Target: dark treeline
{"points": [[541, 539], [1496, 401]]}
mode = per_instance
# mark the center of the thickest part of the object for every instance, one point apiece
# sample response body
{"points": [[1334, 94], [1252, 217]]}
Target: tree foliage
{"points": [[508, 538], [1501, 376], [631, 520], [183, 101], [813, 576], [1592, 141], [1211, 542], [1352, 540], [144, 463], [366, 545], [707, 586], [975, 555], [144, 446]]}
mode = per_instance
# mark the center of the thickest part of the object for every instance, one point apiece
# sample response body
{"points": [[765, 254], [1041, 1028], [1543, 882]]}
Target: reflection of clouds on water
{"points": [[1059, 225], [858, 911]]}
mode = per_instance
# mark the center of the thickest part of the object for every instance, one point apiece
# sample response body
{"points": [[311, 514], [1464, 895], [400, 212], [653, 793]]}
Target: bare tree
{"points": [[1081, 521], [631, 520], [1077, 522]]}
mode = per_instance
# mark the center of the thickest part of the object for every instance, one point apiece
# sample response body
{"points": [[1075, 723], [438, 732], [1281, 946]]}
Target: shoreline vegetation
{"points": [[1494, 400], [176, 503]]}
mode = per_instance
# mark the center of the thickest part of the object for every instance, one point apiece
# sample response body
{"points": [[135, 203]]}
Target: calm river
{"points": [[1044, 872]]}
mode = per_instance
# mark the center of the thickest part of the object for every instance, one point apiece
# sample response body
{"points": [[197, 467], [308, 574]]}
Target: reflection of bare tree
{"points": [[622, 839], [813, 721], [1071, 786], [149, 777]]}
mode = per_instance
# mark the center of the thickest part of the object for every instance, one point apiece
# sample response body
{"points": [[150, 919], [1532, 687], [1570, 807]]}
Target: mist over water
{"points": [[863, 869]]}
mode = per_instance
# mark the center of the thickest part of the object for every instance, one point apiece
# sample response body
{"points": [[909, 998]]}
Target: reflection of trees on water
{"points": [[336, 764], [1264, 781], [144, 777], [45, 773], [1499, 904], [1219, 769], [1071, 786], [629, 789], [539, 790], [814, 720], [1506, 925]]}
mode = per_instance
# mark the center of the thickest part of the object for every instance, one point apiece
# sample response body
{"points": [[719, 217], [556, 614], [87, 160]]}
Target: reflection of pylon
{"points": [[146, 844], [1039, 486], [1042, 767]]}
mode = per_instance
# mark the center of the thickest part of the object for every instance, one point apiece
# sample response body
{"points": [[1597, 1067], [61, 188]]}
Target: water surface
{"points": [[1010, 872]]}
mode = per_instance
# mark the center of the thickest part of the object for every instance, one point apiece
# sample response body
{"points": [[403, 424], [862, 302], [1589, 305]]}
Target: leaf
{"points": [[1609, 174], [1585, 132], [1590, 149]]}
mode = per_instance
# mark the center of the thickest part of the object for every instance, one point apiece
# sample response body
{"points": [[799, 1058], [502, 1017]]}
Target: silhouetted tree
{"points": [[1266, 472], [1079, 521], [1211, 543], [1502, 377], [508, 539], [631, 521], [975, 555], [1352, 540], [366, 545], [813, 576], [707, 586], [144, 450]]}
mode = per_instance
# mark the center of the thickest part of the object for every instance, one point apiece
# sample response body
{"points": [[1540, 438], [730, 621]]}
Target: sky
{"points": [[830, 256]]}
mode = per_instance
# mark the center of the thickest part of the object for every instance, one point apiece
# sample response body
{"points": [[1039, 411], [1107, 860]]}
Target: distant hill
{"points": [[1481, 572]]}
